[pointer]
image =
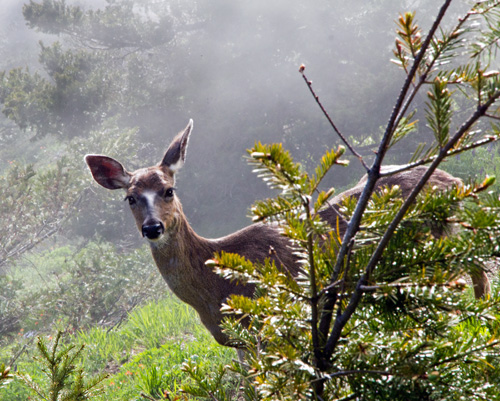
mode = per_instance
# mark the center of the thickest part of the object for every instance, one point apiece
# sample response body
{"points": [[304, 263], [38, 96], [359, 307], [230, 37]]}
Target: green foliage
{"points": [[51, 16], [277, 168], [381, 312], [29, 215], [103, 27], [63, 380], [81, 85], [125, 353], [439, 111], [70, 103], [208, 384], [77, 289], [149, 327], [25, 97], [11, 308], [5, 375], [98, 285]]}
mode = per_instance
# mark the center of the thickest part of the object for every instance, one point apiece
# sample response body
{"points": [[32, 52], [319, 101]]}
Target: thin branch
{"points": [[410, 166], [272, 251], [374, 288], [16, 356], [316, 97], [330, 287], [342, 320], [354, 372], [28, 246], [492, 116], [36, 269], [314, 291], [374, 173], [469, 352]]}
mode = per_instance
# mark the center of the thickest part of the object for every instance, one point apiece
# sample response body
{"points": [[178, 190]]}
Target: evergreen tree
{"points": [[379, 312]]}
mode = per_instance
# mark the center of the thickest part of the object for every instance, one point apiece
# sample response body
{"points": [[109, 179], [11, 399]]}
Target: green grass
{"points": [[144, 354]]}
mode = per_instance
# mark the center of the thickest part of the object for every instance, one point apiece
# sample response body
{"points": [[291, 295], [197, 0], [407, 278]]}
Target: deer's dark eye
{"points": [[131, 200], [169, 193]]}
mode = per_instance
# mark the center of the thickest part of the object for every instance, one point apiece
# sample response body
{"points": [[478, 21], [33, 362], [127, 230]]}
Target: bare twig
{"points": [[492, 116], [356, 297], [354, 372], [373, 176], [316, 97], [330, 287], [422, 162], [314, 291]]}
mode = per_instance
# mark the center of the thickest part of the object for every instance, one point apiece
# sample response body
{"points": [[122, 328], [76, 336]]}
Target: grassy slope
{"points": [[144, 354]]}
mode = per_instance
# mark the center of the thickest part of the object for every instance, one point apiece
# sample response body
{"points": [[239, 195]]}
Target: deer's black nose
{"points": [[153, 231]]}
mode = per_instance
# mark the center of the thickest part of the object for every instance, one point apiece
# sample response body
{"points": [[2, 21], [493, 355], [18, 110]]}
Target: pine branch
{"points": [[357, 295], [492, 116], [423, 77], [373, 176], [374, 172]]}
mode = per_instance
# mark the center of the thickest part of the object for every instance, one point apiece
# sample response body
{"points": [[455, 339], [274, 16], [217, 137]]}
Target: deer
{"points": [[180, 254], [406, 181]]}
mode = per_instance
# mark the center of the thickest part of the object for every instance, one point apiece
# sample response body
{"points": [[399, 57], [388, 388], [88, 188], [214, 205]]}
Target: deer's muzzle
{"points": [[153, 231]]}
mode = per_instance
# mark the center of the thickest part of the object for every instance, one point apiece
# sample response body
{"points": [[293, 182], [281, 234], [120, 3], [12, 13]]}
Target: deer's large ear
{"points": [[176, 153], [108, 172]]}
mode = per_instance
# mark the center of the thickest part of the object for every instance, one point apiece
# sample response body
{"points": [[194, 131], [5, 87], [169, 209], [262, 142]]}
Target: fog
{"points": [[231, 66]]}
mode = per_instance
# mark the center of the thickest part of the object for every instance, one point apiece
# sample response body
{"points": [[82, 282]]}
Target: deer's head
{"points": [[150, 191]]}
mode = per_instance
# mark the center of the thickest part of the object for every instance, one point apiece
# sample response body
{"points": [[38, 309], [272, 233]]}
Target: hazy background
{"points": [[230, 65]]}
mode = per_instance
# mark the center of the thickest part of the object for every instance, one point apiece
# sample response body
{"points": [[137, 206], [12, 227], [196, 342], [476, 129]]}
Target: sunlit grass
{"points": [[153, 324], [143, 354], [146, 352]]}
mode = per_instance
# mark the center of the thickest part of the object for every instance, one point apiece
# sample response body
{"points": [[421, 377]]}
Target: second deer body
{"points": [[180, 254]]}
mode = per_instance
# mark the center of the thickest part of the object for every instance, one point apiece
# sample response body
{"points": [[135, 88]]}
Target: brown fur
{"points": [[181, 262], [180, 253], [406, 181]]}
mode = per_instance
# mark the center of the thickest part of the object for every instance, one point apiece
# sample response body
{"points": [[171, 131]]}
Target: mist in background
{"points": [[231, 66]]}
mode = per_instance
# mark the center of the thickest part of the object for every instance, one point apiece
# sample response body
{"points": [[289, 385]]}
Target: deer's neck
{"points": [[181, 258], [181, 248]]}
